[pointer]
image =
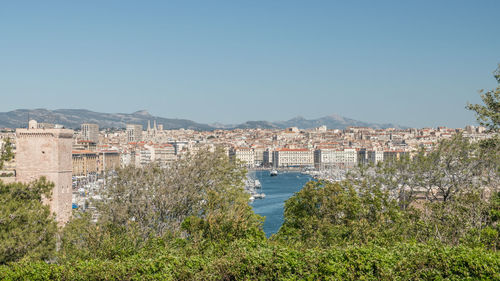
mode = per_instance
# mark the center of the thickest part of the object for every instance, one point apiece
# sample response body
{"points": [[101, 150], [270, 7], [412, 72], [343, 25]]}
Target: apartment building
{"points": [[109, 160], [331, 157], [85, 145], [244, 154], [258, 153], [84, 162], [268, 157], [94, 162], [90, 132], [163, 153], [134, 133], [293, 157], [370, 156]]}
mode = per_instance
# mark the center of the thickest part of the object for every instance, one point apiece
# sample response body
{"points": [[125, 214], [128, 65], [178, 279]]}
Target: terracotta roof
{"points": [[82, 151], [109, 151], [292, 149]]}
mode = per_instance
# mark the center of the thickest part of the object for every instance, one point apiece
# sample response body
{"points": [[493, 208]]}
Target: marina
{"points": [[277, 190]]}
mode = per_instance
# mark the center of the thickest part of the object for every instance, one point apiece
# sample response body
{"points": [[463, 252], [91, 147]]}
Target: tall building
{"points": [[134, 133], [47, 152], [90, 132]]}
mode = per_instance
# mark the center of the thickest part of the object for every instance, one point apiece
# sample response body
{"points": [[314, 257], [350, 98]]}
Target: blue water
{"points": [[277, 189]]}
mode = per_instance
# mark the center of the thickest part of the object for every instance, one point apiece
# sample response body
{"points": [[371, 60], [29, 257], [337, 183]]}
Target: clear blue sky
{"points": [[415, 63]]}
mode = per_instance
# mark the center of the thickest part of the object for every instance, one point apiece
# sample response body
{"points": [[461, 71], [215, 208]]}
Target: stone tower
{"points": [[47, 152]]}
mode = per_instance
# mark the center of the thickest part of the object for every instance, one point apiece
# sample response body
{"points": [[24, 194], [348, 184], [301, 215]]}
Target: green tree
{"points": [[456, 221], [490, 235], [6, 153], [443, 191], [27, 228], [489, 155], [199, 197], [401, 177], [489, 114], [206, 185], [325, 213], [451, 168], [84, 239]]}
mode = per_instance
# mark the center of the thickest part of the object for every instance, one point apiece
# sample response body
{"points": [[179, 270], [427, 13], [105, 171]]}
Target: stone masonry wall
{"points": [[47, 152]]}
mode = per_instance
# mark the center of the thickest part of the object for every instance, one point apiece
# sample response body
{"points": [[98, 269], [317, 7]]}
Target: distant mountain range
{"points": [[73, 118]]}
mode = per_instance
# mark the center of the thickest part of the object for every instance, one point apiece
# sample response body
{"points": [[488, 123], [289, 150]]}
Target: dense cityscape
{"points": [[322, 152], [319, 148]]}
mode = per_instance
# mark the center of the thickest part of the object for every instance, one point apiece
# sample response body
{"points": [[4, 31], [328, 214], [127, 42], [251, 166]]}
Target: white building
{"points": [[163, 153], [322, 129], [244, 154], [293, 157], [331, 157], [126, 158], [145, 156]]}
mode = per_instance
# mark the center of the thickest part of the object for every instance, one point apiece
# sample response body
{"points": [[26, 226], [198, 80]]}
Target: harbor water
{"points": [[277, 189]]}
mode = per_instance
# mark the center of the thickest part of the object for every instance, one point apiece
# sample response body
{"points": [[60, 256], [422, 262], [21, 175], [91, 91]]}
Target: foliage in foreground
{"points": [[349, 230], [27, 228], [325, 214], [260, 260], [199, 198]]}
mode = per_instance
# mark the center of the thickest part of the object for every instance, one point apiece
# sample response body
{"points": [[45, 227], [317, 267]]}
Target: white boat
{"points": [[257, 184], [274, 173], [259, 196]]}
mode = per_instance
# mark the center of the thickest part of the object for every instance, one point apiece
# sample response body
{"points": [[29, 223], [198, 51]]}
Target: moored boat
{"points": [[257, 184], [259, 196]]}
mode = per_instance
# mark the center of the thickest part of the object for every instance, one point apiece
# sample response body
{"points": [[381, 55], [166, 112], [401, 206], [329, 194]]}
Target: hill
{"points": [[73, 118]]}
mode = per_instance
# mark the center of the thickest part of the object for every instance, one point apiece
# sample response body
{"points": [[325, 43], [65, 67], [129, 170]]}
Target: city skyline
{"points": [[413, 64]]}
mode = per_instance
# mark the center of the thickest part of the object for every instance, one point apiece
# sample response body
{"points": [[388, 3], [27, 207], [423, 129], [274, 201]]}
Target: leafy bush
{"points": [[250, 259], [325, 213]]}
